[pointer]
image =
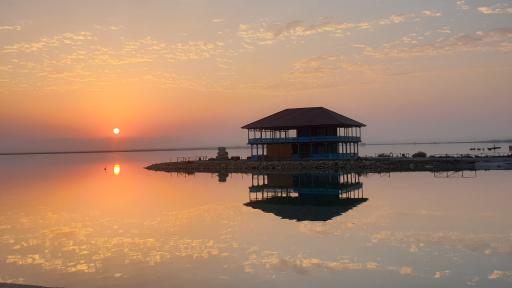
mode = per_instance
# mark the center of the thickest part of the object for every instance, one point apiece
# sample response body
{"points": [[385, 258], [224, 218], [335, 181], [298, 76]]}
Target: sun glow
{"points": [[116, 131]]}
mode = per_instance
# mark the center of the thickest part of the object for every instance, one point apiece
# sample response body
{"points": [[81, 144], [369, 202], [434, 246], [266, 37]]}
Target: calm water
{"points": [[66, 221]]}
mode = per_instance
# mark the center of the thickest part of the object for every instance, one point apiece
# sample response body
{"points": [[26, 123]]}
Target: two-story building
{"points": [[313, 133]]}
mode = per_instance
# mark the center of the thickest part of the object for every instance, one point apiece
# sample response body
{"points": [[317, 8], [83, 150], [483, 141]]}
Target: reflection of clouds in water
{"points": [[85, 243], [406, 270], [340, 225], [276, 262], [485, 243], [11, 280], [473, 281], [442, 274], [300, 264], [497, 274]]}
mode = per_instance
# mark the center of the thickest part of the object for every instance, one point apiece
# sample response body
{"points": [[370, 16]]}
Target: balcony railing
{"points": [[310, 139], [322, 156], [342, 188]]}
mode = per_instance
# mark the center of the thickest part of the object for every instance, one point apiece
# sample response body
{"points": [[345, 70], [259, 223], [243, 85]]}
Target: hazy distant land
{"points": [[496, 141]]}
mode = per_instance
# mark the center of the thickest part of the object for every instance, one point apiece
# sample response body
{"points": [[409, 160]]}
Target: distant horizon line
{"points": [[231, 147]]}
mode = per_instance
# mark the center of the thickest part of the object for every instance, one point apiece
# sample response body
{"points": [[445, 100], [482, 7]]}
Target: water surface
{"points": [[101, 220]]}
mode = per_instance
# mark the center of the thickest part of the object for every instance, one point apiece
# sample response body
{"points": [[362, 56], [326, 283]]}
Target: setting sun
{"points": [[116, 131]]}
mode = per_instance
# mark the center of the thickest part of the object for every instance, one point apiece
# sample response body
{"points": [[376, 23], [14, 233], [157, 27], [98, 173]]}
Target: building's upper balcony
{"points": [[303, 139]]}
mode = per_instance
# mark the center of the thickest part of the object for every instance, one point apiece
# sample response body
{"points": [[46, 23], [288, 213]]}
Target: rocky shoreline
{"points": [[363, 165]]}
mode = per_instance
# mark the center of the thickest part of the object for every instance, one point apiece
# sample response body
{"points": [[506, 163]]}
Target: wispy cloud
{"points": [[431, 13], [500, 8], [110, 27], [395, 19], [67, 39], [10, 28], [317, 66], [492, 40], [462, 4], [79, 57], [266, 33]]}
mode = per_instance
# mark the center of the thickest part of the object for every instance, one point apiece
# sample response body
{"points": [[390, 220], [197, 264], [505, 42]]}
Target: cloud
{"points": [[444, 29], [267, 33], [111, 27], [500, 8], [317, 66], [431, 13], [395, 19], [131, 51], [65, 39], [10, 28], [190, 50], [217, 20], [462, 4], [499, 39], [66, 61]]}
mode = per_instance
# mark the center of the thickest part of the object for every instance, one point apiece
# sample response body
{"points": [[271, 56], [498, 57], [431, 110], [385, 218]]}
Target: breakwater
{"points": [[366, 165]]}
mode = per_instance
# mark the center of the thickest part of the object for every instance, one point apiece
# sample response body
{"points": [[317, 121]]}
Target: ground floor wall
{"points": [[279, 151], [297, 151]]}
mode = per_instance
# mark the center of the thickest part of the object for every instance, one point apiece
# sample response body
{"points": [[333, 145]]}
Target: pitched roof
{"points": [[303, 117]]}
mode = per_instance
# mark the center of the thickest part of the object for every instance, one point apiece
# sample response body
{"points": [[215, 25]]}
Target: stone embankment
{"points": [[364, 165]]}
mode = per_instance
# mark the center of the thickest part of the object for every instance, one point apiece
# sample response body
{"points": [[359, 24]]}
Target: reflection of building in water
{"points": [[455, 174], [223, 176], [306, 196]]}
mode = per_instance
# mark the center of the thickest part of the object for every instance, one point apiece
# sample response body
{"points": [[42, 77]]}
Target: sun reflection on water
{"points": [[117, 169]]}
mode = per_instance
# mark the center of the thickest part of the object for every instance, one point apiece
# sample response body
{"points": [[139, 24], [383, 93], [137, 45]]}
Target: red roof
{"points": [[303, 117]]}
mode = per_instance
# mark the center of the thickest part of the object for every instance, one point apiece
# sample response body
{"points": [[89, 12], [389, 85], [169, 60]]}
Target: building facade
{"points": [[313, 133]]}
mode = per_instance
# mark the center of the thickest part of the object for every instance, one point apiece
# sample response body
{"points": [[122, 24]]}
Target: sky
{"points": [[191, 73]]}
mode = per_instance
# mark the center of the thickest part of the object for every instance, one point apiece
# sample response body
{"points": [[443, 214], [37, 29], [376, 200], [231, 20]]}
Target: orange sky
{"points": [[173, 74]]}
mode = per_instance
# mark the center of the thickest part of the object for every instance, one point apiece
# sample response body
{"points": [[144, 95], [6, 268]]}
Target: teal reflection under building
{"points": [[306, 196]]}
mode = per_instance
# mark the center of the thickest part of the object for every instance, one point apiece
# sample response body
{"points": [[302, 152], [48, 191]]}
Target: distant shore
{"points": [[13, 285], [119, 150], [135, 150]]}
